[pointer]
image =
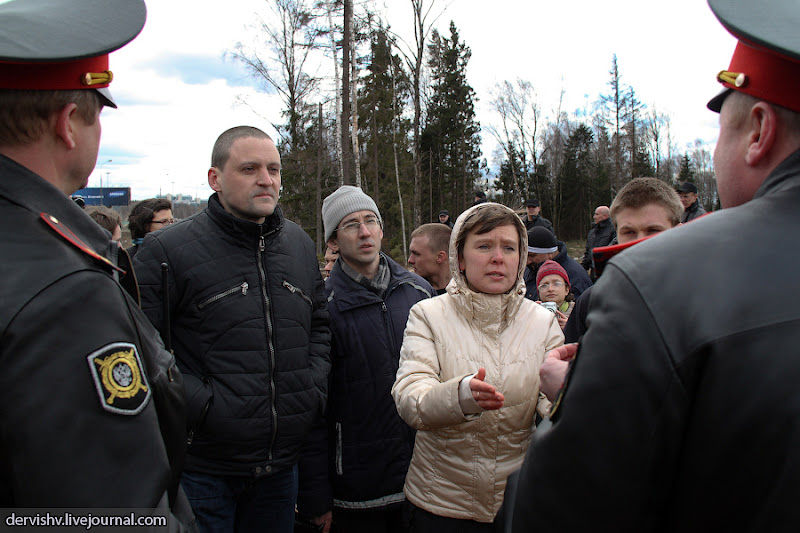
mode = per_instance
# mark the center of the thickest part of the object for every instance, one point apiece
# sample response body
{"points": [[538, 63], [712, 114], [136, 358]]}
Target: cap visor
{"points": [[105, 96], [715, 104]]}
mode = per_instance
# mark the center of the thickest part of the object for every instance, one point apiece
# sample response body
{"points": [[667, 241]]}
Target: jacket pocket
{"points": [[298, 291], [240, 288]]}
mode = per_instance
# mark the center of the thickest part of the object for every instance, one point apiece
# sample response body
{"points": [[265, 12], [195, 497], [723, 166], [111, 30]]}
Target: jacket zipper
{"points": [[233, 290], [339, 467], [202, 418], [387, 324], [299, 292], [261, 247]]}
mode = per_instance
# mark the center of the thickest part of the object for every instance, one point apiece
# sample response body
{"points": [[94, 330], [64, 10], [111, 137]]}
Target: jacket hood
{"points": [[458, 283]]}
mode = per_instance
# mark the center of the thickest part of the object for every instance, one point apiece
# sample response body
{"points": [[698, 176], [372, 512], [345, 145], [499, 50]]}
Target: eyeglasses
{"points": [[165, 222], [555, 285], [351, 228]]}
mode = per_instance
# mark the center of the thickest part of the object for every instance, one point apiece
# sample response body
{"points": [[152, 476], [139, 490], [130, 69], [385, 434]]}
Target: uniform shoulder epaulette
{"points": [[69, 235]]}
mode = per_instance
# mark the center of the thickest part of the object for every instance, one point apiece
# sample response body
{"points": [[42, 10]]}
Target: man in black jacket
{"points": [[601, 234], [91, 405], [354, 466], [249, 325], [533, 218], [688, 193], [681, 408]]}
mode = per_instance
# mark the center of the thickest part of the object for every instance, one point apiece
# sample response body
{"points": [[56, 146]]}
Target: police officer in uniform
{"points": [[681, 413], [91, 404]]}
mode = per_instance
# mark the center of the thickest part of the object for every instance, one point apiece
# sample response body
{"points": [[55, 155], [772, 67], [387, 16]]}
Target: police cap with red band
{"points": [[64, 44], [766, 62]]}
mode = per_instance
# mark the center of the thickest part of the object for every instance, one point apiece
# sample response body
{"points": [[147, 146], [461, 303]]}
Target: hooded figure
{"points": [[469, 372]]}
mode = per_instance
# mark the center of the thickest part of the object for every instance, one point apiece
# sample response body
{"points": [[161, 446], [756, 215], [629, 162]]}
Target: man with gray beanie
{"points": [[354, 466]]}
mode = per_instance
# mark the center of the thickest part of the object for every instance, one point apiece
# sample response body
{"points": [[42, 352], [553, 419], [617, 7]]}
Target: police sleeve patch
{"points": [[119, 378]]}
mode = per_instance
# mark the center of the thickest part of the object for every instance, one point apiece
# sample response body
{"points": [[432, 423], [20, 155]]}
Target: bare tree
{"points": [[291, 36]]}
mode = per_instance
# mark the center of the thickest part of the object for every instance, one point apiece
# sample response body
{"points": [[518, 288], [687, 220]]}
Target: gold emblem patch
{"points": [[119, 378]]}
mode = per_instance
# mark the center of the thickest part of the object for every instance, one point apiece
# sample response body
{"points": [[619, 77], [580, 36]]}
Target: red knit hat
{"points": [[551, 267]]}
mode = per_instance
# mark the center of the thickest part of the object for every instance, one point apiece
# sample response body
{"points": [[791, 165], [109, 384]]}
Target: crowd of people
{"points": [[216, 375]]}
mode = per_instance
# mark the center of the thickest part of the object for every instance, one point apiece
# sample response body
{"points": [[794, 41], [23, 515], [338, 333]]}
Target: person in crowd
{"points": [[249, 328], [148, 215], [469, 376], [552, 283], [533, 219], [444, 218], [108, 219], [91, 405], [693, 209], [683, 398], [330, 258], [355, 462], [428, 254], [601, 234], [479, 197], [543, 246], [642, 208]]}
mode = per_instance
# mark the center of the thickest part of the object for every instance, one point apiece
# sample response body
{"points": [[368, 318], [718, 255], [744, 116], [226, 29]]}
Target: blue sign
{"points": [[107, 196]]}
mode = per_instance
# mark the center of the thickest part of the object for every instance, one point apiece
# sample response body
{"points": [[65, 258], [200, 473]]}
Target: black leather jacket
{"points": [[91, 405], [683, 403], [601, 234], [249, 326]]}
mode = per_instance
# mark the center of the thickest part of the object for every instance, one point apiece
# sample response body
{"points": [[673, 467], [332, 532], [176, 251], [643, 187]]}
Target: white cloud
{"points": [[177, 93]]}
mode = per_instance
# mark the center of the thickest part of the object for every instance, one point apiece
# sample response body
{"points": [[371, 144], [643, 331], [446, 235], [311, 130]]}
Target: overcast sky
{"points": [[177, 92]]}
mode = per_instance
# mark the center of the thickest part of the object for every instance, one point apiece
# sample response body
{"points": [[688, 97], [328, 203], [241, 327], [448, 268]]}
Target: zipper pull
{"points": [[261, 245], [245, 286]]}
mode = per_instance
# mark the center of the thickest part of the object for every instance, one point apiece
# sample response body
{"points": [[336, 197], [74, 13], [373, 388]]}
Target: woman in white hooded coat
{"points": [[468, 379]]}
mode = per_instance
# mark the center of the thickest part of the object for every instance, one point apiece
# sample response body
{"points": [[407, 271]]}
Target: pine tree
{"points": [[451, 137], [686, 173], [380, 127]]}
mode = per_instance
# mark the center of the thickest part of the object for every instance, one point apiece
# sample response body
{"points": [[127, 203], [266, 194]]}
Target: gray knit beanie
{"points": [[343, 201]]}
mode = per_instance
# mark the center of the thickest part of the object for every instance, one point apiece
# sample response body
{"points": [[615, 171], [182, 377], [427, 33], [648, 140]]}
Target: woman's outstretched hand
{"points": [[486, 395]]}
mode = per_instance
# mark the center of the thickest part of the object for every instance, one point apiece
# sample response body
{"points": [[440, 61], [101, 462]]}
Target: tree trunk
{"points": [[347, 179], [338, 110], [320, 159]]}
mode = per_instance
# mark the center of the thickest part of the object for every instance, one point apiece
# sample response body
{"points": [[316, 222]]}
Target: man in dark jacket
{"points": [[601, 234], [249, 326], [542, 245], [693, 209], [353, 471], [91, 405], [683, 400], [533, 219]]}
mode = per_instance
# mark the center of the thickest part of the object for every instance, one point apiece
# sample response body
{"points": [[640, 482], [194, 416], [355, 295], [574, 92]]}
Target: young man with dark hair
{"points": [[249, 326]]}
